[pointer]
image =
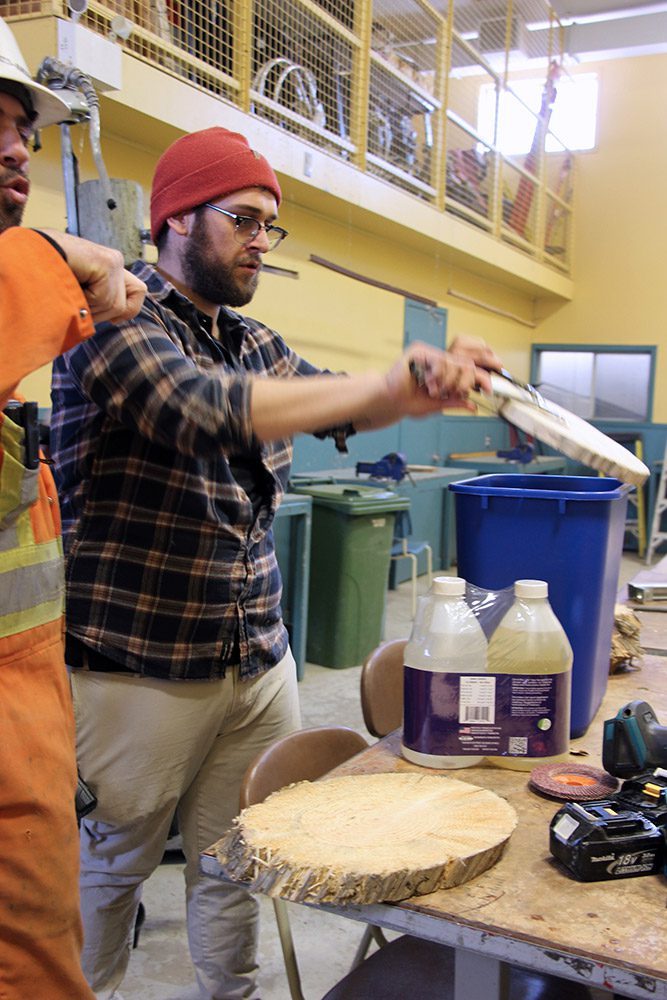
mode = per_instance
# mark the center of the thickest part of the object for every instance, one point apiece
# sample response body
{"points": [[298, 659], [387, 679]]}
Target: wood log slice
{"points": [[366, 838], [564, 431]]}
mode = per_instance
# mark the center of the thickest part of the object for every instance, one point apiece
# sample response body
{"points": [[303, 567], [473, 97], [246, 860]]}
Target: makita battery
{"points": [[646, 794], [606, 840]]}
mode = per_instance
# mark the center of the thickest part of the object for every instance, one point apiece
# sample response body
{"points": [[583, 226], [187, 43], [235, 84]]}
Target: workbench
{"points": [[481, 466], [526, 909]]}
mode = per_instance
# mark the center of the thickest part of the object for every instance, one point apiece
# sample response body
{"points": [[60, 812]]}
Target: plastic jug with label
{"points": [[445, 687]]}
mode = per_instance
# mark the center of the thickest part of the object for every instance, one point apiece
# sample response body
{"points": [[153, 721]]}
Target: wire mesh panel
{"points": [[342, 10], [203, 30], [301, 68], [519, 197], [405, 35], [470, 78], [469, 176], [527, 194], [518, 47], [509, 36], [400, 132], [471, 132], [558, 224], [536, 31], [186, 38], [404, 93]]}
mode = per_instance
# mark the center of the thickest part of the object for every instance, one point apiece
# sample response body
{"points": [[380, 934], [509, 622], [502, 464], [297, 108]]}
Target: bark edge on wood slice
{"points": [[366, 838]]}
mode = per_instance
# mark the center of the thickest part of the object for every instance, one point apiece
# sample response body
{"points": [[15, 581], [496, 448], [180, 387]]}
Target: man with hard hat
{"points": [[172, 438], [43, 310]]}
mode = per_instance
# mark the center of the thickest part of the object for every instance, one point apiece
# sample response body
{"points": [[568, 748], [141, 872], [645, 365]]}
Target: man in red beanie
{"points": [[172, 438]]}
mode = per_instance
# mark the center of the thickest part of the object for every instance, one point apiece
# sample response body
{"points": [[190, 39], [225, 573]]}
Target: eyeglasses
{"points": [[246, 228]]}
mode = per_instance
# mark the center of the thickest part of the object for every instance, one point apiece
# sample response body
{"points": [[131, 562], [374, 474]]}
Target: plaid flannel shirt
{"points": [[171, 572]]}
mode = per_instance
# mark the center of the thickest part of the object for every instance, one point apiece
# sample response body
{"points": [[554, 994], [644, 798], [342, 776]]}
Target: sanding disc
{"points": [[574, 782]]}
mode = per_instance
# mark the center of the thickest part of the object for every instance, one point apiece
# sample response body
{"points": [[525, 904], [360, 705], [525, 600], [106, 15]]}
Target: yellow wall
{"points": [[620, 220]]}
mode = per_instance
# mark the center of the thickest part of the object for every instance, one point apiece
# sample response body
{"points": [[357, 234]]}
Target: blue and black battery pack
{"points": [[606, 839]]}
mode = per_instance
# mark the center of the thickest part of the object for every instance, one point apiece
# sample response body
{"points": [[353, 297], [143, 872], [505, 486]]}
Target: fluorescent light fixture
{"points": [[610, 15]]}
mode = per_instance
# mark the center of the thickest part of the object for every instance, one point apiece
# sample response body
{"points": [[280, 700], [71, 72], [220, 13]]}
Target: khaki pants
{"points": [[148, 748]]}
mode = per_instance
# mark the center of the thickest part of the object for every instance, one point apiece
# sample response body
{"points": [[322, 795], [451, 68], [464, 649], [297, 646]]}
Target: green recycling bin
{"points": [[352, 532]]}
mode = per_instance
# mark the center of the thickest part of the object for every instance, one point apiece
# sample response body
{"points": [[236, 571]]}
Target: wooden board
{"points": [[366, 838], [566, 432]]}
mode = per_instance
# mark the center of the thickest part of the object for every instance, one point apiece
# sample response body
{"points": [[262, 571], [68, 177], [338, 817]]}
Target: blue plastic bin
{"points": [[567, 530]]}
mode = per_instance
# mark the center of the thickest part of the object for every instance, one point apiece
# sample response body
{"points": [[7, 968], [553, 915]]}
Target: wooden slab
{"points": [[366, 838], [566, 432]]}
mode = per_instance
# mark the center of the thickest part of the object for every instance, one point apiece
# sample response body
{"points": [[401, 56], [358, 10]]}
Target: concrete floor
{"points": [[160, 968]]}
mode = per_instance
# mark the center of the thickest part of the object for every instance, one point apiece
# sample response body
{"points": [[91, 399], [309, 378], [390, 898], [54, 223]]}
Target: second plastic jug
{"points": [[531, 654]]}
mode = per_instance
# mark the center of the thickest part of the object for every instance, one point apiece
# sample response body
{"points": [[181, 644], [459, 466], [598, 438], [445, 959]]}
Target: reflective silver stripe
{"points": [[24, 587], [22, 621], [31, 594], [32, 586]]}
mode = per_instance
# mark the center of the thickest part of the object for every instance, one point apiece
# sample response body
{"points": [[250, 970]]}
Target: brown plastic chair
{"points": [[382, 688], [302, 756], [305, 755]]}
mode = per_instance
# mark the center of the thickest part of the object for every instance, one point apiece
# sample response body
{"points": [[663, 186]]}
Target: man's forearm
{"points": [[281, 407]]}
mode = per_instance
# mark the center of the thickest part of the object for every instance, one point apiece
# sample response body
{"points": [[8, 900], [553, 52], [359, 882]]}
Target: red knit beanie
{"points": [[202, 166]]}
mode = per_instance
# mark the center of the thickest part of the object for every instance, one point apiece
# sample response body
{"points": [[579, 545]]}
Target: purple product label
{"points": [[491, 715]]}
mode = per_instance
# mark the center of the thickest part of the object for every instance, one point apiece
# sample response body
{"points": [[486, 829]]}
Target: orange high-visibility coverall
{"points": [[42, 313]]}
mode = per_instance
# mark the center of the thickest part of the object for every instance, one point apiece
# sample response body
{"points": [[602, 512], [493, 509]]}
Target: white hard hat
{"points": [[49, 107]]}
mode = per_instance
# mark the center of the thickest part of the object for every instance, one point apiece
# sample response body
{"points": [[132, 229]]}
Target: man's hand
{"points": [[477, 350], [426, 380], [113, 293]]}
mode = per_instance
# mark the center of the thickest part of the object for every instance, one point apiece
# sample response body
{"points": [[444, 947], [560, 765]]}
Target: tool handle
{"points": [[418, 372]]}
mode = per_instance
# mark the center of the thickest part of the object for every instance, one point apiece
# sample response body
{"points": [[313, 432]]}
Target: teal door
{"points": [[419, 440]]}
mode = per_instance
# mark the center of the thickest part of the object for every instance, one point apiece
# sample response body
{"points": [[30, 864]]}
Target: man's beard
{"points": [[209, 277], [11, 213]]}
